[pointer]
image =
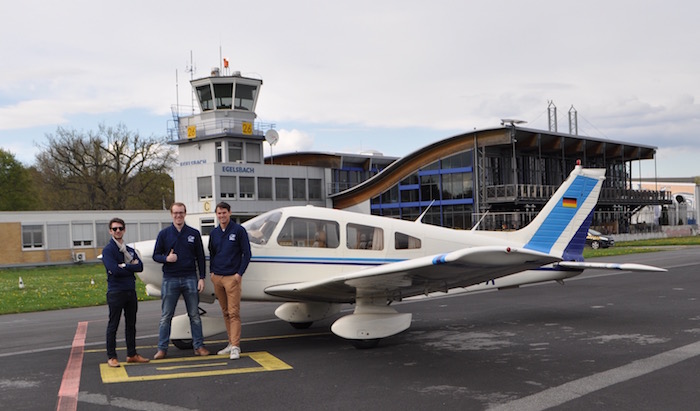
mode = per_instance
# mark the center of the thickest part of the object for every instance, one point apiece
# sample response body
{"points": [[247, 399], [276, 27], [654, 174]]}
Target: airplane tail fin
{"points": [[561, 227]]}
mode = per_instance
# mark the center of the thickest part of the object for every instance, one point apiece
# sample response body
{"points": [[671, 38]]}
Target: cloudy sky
{"points": [[351, 76]]}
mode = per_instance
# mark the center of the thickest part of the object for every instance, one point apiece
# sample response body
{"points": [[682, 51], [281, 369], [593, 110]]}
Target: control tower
{"points": [[220, 156], [226, 106]]}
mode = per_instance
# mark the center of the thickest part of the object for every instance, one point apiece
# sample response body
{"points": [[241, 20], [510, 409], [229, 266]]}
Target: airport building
{"points": [[497, 178]]}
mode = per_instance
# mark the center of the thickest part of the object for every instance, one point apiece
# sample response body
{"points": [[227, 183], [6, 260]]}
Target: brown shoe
{"points": [[201, 351], [137, 358], [113, 362], [160, 354]]}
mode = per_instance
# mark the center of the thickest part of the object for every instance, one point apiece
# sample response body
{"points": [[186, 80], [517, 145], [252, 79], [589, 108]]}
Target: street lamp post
{"points": [[512, 123]]}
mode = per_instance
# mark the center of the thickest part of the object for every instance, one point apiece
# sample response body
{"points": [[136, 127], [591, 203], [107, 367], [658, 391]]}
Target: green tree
{"points": [[108, 169], [16, 186]]}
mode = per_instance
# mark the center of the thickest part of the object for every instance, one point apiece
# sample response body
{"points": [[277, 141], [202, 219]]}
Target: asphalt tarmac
{"points": [[604, 340]]}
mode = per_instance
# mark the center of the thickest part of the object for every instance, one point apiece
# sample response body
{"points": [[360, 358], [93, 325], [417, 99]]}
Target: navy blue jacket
{"points": [[187, 244], [118, 278], [229, 250]]}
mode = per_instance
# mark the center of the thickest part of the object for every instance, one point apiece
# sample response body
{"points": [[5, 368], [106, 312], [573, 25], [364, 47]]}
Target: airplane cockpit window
{"points": [[364, 237], [261, 227], [309, 232], [406, 242]]}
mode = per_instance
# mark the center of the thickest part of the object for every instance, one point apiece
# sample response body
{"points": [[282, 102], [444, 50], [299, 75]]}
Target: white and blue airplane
{"points": [[313, 260]]}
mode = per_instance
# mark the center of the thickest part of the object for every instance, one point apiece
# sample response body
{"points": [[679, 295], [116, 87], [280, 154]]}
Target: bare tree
{"points": [[110, 169]]}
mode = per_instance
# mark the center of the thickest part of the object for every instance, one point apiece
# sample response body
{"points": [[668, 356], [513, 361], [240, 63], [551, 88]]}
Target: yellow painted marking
{"points": [[264, 360]]}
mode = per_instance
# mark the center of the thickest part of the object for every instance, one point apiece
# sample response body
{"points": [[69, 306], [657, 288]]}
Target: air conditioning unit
{"points": [[79, 257]]}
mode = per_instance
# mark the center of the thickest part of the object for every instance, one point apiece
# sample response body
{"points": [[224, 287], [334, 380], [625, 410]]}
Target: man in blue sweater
{"points": [[121, 262], [179, 248], [229, 255]]}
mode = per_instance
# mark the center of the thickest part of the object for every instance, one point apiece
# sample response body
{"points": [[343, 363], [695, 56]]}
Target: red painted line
{"points": [[68, 393]]}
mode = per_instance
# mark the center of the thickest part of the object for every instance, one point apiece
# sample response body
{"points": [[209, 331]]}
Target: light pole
{"points": [[513, 122]]}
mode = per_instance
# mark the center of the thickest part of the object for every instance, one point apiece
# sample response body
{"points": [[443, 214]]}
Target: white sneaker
{"points": [[225, 350], [235, 353]]}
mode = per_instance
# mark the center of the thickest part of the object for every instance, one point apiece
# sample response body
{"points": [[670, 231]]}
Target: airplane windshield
{"points": [[261, 227]]}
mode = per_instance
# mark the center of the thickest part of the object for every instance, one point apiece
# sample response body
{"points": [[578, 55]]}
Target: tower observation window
{"points": [[245, 97], [205, 97], [224, 95]]}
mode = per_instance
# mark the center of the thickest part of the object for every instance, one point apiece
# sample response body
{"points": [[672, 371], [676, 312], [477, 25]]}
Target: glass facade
{"points": [[445, 186]]}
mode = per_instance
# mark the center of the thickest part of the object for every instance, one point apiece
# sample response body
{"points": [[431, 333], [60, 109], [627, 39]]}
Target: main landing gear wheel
{"points": [[183, 344], [365, 344], [302, 326]]}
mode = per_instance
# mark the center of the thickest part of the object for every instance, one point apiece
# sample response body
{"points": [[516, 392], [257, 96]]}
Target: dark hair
{"points": [[179, 205], [116, 220], [226, 206]]}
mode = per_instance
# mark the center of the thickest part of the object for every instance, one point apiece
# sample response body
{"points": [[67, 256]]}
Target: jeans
{"points": [[119, 301], [171, 290]]}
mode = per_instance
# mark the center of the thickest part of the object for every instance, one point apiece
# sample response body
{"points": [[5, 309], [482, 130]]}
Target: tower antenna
{"points": [[191, 69]]}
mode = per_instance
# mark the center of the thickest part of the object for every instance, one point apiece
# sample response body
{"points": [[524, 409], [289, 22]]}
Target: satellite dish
{"points": [[272, 137]]}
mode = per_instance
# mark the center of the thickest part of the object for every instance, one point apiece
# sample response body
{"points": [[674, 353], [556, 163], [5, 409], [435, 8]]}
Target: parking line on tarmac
{"points": [[153, 371]]}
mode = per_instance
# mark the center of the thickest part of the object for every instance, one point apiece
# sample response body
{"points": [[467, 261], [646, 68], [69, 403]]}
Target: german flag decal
{"points": [[569, 202]]}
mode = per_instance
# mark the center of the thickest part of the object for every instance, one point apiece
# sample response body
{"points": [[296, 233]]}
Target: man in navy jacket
{"points": [[229, 255], [179, 248], [121, 262]]}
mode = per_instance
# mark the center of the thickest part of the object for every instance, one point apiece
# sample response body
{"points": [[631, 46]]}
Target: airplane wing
{"points": [[423, 275], [609, 266]]}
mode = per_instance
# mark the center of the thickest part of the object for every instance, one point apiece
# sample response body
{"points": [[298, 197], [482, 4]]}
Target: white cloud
{"points": [[389, 66]]}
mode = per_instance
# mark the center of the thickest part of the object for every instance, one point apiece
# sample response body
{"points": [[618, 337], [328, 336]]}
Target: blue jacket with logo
{"points": [[229, 250], [187, 244]]}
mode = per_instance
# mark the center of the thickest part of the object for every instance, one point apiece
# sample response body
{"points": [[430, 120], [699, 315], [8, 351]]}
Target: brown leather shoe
{"points": [[137, 359], [160, 354], [113, 362], [201, 351]]}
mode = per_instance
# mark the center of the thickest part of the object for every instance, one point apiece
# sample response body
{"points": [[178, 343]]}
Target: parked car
{"points": [[597, 240]]}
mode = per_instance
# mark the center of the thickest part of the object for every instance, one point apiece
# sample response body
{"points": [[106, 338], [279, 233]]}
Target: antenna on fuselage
{"points": [[479, 222], [420, 217]]}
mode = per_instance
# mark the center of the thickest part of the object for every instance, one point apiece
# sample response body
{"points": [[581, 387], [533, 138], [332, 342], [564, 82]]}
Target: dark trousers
{"points": [[119, 301]]}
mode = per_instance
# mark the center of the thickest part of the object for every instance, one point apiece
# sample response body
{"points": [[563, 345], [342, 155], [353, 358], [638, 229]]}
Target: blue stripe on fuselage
{"points": [[323, 260], [557, 220]]}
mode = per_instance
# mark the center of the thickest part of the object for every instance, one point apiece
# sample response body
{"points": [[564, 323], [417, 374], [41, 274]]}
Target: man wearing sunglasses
{"points": [[121, 262]]}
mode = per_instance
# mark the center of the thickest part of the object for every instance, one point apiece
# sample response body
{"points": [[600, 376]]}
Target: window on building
{"points": [[298, 189], [228, 186], [205, 97], [281, 189], [58, 236], [103, 235], [406, 242], [409, 196], [460, 160], [82, 234], [457, 186], [252, 152], [363, 237], [430, 187], [315, 192], [245, 97], [224, 95], [264, 188], [32, 236], [204, 190], [247, 187], [308, 232], [391, 195], [219, 152], [235, 152], [206, 225]]}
